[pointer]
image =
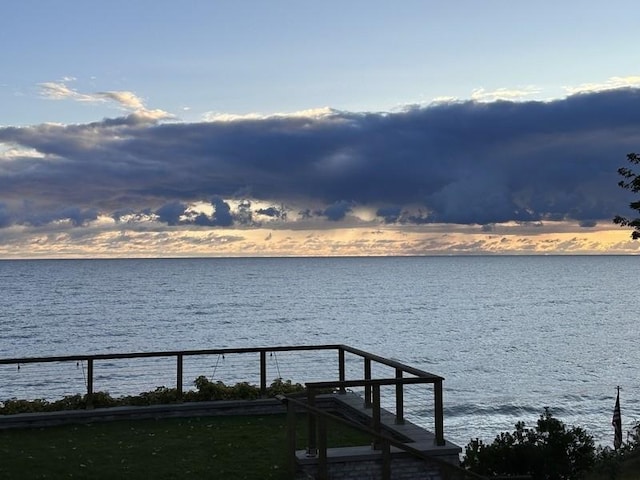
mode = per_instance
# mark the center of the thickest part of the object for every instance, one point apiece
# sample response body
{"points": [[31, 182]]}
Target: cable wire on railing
{"points": [[215, 367], [275, 357], [84, 375]]}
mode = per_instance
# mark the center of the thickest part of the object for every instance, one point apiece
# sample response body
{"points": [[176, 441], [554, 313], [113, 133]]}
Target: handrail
{"points": [[385, 440], [376, 381], [342, 384], [169, 353], [389, 362]]}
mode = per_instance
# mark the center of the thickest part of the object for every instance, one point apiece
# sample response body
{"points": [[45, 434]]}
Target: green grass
{"points": [[250, 447]]}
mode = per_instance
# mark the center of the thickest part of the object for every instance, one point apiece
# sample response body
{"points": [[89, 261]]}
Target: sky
{"points": [[292, 128]]}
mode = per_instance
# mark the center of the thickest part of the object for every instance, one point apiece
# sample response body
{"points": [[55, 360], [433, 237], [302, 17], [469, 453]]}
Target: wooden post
{"points": [[90, 383], [263, 373], [341, 369], [399, 399], [311, 430], [375, 416], [179, 376], [367, 388], [439, 412], [291, 438], [386, 460], [323, 468]]}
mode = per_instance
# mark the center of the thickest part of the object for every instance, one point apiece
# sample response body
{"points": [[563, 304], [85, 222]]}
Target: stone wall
{"points": [[402, 468]]}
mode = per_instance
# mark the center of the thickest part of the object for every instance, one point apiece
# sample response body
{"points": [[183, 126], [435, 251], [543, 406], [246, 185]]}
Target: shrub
{"points": [[159, 396], [281, 387], [610, 463], [101, 400], [206, 390], [548, 451], [13, 406], [245, 391]]}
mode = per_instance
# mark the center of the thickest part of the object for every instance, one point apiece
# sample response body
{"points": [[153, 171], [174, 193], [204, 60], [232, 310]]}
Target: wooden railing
{"points": [[381, 441], [404, 374]]}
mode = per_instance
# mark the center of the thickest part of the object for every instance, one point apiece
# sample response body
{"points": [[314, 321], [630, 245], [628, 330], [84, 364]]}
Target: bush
{"points": [[206, 390], [281, 387], [13, 406], [611, 463], [549, 451], [160, 396]]}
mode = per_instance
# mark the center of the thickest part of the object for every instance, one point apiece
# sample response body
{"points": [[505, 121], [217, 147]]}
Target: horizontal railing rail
{"points": [[389, 362], [165, 353]]}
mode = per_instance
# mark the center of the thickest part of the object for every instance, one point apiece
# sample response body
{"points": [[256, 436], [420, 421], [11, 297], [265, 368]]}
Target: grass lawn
{"points": [[250, 447]]}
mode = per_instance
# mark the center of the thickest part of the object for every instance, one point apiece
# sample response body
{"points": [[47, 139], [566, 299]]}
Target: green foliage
{"points": [[71, 402], [281, 387], [13, 406], [549, 451], [631, 182], [206, 390], [245, 391], [159, 396], [102, 400]]}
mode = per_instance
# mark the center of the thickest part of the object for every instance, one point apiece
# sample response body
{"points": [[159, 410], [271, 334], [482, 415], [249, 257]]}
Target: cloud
{"points": [[171, 212], [610, 84], [452, 163], [128, 101], [482, 95], [338, 210], [316, 113], [272, 212], [60, 91]]}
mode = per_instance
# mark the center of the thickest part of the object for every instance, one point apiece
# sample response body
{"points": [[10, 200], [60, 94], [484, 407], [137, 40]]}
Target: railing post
{"points": [[367, 387], [375, 416], [263, 373], [311, 430], [439, 412], [399, 399], [179, 376], [323, 470], [291, 438], [386, 460], [341, 369], [90, 383]]}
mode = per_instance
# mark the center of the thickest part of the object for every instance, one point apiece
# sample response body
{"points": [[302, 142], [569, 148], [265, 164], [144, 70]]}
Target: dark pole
{"points": [[439, 412], [179, 375], [90, 383], [263, 373], [367, 388], [341, 369], [399, 399]]}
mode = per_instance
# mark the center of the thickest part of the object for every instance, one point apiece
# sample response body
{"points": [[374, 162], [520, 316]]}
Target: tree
{"points": [[631, 182], [550, 451]]}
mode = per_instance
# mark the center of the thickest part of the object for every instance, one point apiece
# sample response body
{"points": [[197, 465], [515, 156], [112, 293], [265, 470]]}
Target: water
{"points": [[510, 335]]}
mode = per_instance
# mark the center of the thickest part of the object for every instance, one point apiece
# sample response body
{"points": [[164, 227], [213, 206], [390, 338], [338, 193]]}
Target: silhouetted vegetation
{"points": [[550, 451], [631, 182]]}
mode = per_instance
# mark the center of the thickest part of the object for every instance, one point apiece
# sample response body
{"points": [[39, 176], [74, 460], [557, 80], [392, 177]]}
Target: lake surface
{"points": [[510, 335]]}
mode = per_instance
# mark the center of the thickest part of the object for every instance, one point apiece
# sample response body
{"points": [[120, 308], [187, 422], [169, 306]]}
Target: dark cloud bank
{"points": [[467, 162]]}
